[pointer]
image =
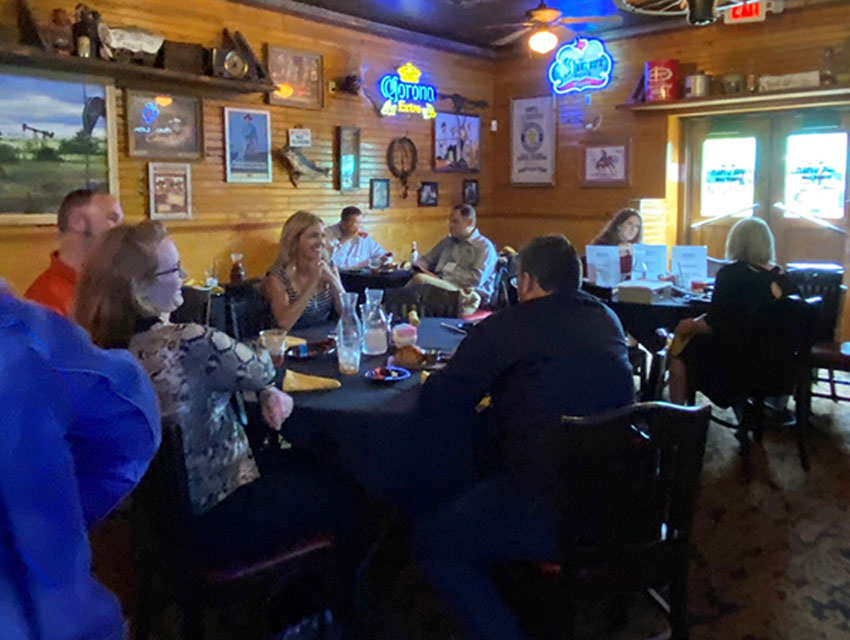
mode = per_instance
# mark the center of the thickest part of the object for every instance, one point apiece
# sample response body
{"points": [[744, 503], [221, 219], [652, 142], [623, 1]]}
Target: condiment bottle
{"points": [[414, 254], [237, 271]]}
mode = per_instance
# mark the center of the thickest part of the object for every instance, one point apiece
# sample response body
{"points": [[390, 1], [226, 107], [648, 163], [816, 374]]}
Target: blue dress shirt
{"points": [[79, 427]]}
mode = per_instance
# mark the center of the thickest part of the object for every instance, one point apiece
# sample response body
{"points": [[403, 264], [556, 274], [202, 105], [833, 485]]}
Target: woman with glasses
{"points": [[130, 285]]}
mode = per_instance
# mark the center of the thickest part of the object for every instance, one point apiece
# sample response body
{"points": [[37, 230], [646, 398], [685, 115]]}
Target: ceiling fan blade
{"points": [[564, 34], [506, 26], [516, 35], [616, 19]]}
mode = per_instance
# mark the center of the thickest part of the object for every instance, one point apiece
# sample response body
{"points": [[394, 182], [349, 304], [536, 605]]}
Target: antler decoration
{"points": [[462, 102]]}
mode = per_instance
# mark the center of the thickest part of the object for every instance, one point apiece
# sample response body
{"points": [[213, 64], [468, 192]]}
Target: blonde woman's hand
{"points": [[330, 274], [277, 407]]}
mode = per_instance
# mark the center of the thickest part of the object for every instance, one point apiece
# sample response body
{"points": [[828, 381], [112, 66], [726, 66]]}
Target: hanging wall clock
{"points": [[401, 159]]}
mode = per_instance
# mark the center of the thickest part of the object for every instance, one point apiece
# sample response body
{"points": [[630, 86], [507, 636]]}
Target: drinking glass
{"points": [[374, 296], [274, 341]]}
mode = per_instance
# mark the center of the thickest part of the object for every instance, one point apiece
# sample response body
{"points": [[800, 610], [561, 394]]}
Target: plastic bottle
{"points": [[414, 254]]}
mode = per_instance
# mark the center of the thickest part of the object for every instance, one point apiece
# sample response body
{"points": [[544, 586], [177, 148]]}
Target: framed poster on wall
{"points": [[533, 140], [170, 187], [247, 145], [605, 165]]}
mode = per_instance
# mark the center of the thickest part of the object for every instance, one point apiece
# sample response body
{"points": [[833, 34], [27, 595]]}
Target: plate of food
{"points": [[311, 349], [387, 374]]}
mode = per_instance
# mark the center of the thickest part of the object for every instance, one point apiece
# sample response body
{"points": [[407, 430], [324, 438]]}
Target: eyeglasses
{"points": [[177, 269]]}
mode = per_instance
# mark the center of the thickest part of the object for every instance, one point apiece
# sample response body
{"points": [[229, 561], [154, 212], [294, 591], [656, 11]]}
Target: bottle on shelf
{"points": [[752, 77], [414, 254], [827, 74]]}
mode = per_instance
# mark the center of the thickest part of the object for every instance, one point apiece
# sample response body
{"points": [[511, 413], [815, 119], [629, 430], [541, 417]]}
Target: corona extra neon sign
{"points": [[581, 65], [403, 94]]}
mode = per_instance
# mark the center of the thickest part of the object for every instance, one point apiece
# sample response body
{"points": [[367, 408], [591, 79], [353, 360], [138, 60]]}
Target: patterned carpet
{"points": [[771, 557]]}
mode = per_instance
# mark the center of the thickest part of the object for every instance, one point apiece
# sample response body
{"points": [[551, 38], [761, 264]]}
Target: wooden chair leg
{"points": [[679, 603], [832, 390]]}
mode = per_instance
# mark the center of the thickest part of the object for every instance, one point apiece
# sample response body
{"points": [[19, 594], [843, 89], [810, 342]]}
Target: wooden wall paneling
{"points": [[248, 217], [786, 43]]}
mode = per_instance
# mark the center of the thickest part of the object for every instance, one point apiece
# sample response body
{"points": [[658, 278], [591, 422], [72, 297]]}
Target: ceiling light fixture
{"points": [[542, 41]]}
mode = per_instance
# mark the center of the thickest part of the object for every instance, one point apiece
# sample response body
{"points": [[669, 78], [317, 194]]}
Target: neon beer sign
{"points": [[403, 94], [581, 65]]}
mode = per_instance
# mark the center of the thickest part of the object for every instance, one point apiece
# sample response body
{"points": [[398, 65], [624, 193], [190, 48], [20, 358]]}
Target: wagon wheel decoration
{"points": [[401, 159]]}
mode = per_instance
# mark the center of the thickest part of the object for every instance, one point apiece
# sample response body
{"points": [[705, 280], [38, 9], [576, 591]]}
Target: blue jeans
{"points": [[458, 544]]}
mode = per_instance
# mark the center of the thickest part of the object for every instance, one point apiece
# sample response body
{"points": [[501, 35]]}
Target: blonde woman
{"points": [[302, 285], [131, 282], [719, 343]]}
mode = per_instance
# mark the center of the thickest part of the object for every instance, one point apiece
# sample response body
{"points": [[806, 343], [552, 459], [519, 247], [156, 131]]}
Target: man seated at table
{"points": [[83, 216], [464, 261], [560, 351], [352, 247]]}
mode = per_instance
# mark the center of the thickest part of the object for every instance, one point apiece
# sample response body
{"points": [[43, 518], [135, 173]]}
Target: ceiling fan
{"points": [[546, 24], [698, 12]]}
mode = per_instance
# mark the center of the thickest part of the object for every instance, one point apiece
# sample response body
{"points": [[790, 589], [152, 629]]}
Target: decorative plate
{"points": [[387, 374]]}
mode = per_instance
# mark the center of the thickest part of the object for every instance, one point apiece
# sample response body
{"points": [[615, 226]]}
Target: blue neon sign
{"points": [[581, 65], [403, 93]]}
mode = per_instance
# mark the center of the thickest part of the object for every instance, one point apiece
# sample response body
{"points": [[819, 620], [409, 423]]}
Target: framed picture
{"points": [[379, 193], [605, 165], [170, 187], [428, 194], [247, 143], [55, 136], [164, 126], [457, 142], [298, 77], [533, 141], [470, 192], [348, 158]]}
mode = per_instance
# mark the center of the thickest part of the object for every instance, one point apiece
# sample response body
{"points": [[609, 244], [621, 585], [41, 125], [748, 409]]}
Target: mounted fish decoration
{"points": [[300, 166]]}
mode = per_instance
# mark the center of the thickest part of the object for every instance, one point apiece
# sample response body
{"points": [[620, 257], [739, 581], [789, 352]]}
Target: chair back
{"points": [[201, 306], [655, 380], [401, 301], [825, 282], [715, 265], [162, 509], [627, 478], [249, 311]]}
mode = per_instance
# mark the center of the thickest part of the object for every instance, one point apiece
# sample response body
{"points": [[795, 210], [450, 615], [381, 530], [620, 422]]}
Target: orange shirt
{"points": [[55, 287]]}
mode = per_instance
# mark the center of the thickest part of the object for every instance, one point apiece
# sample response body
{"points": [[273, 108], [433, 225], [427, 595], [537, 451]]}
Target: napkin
{"points": [[294, 382], [293, 341]]}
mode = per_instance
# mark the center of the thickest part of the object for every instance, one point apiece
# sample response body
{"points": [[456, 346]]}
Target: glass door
{"points": [[809, 186], [789, 168], [725, 183]]}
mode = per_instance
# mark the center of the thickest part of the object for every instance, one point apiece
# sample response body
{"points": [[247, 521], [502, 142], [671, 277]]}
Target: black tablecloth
{"points": [[372, 429], [642, 320], [361, 279]]}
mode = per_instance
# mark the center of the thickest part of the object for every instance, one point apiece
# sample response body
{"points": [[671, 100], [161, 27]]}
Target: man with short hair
{"points": [[83, 216], [559, 352], [353, 248], [464, 260]]}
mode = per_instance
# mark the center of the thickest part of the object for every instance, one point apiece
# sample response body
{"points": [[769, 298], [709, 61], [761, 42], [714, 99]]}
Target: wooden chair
{"points": [[428, 301], [624, 485], [202, 307], [163, 545], [825, 281], [776, 365], [249, 311], [656, 378]]}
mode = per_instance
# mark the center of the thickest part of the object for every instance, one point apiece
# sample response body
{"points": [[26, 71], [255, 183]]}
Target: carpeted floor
{"points": [[770, 561]]}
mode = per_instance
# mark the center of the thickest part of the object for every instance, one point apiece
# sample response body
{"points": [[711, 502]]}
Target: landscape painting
{"points": [[53, 139]]}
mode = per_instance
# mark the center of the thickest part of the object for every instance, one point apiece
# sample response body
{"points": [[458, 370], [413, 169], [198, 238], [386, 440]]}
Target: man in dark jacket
{"points": [[559, 352]]}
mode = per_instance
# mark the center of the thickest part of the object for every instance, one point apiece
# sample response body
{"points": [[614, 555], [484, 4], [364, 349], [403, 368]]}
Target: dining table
{"points": [[361, 279], [373, 430]]}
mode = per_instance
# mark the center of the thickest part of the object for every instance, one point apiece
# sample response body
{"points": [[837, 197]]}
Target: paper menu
{"points": [[689, 263], [603, 265], [649, 261]]}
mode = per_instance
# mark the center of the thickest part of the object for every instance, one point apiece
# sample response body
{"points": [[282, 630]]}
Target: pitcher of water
{"points": [[376, 326], [349, 335]]}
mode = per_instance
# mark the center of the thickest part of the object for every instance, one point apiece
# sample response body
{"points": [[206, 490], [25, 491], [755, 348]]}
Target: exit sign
{"points": [[753, 11]]}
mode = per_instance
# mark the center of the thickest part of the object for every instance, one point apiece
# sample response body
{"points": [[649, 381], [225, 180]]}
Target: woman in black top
{"points": [[722, 349]]}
